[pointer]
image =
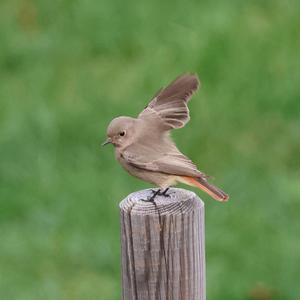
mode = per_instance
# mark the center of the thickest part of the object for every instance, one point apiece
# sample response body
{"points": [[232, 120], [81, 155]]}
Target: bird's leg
{"points": [[164, 193], [157, 193], [154, 194]]}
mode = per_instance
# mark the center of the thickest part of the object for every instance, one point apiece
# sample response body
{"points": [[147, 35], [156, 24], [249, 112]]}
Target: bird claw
{"points": [[157, 193], [164, 193], [149, 199]]}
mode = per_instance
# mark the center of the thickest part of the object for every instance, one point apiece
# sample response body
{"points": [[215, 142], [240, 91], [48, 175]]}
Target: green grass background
{"points": [[68, 67]]}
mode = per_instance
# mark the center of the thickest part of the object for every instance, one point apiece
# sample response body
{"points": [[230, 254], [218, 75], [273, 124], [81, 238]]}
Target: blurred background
{"points": [[68, 67]]}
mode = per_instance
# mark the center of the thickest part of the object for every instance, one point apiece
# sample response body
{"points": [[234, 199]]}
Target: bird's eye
{"points": [[122, 133]]}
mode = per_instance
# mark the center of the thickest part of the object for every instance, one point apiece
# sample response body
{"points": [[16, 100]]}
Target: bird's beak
{"points": [[108, 141]]}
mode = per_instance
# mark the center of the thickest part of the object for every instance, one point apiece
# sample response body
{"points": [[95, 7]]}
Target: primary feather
{"points": [[168, 109]]}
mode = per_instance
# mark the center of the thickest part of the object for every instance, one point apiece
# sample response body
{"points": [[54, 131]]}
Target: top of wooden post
{"points": [[163, 255], [179, 201]]}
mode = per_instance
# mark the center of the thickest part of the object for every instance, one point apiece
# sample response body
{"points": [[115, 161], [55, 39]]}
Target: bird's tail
{"points": [[202, 184]]}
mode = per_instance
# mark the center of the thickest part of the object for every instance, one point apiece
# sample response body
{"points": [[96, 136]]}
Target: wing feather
{"points": [[169, 163], [168, 109]]}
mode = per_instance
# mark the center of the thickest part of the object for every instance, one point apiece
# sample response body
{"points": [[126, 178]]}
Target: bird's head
{"points": [[120, 131]]}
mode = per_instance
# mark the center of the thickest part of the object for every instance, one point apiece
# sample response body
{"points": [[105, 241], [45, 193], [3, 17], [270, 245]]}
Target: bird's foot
{"points": [[164, 193], [149, 199], [154, 194], [161, 193], [157, 193], [152, 197]]}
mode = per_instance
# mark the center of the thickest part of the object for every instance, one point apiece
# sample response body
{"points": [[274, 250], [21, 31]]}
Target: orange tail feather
{"points": [[202, 184]]}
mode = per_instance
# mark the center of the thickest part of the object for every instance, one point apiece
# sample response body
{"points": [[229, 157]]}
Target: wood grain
{"points": [[163, 253]]}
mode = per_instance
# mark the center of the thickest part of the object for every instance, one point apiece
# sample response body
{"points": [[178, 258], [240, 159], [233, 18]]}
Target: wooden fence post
{"points": [[163, 253]]}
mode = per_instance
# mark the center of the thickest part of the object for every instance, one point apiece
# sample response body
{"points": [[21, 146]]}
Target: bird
{"points": [[145, 149]]}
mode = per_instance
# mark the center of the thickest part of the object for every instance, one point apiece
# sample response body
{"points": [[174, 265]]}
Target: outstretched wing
{"points": [[168, 109]]}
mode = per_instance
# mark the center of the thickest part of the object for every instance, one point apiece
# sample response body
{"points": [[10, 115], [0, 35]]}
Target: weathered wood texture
{"points": [[163, 246]]}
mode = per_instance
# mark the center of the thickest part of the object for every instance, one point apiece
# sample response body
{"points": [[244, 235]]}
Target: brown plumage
{"points": [[143, 145]]}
